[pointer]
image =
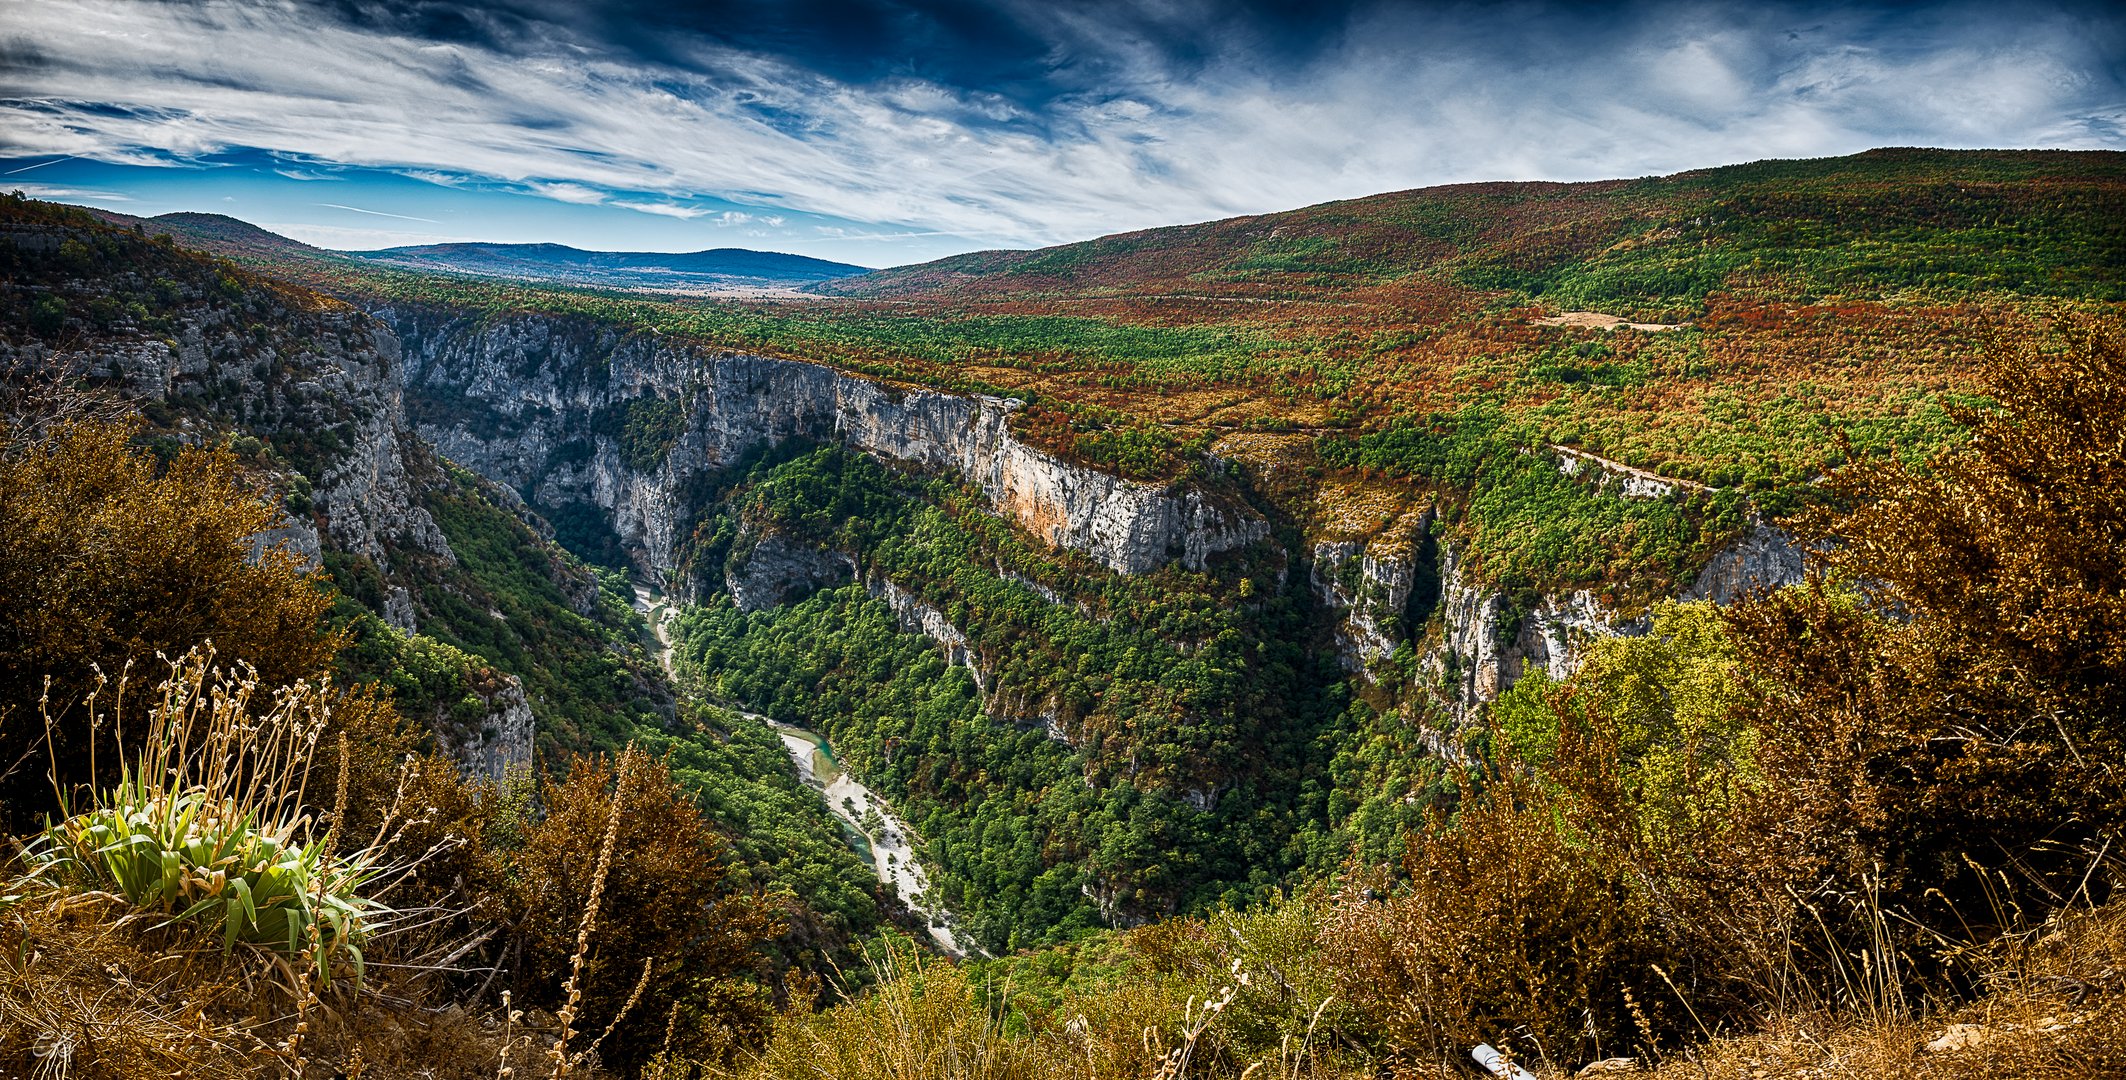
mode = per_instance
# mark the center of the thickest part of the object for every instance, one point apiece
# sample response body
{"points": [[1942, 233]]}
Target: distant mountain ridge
{"points": [[652, 269], [715, 270]]}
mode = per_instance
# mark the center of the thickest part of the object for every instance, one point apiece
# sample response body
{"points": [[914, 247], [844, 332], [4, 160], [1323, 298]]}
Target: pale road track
{"points": [[890, 845]]}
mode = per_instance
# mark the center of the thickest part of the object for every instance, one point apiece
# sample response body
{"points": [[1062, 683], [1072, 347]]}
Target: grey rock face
{"points": [[398, 610], [512, 398], [294, 535], [777, 572], [1766, 558], [918, 617], [1370, 583], [343, 381], [368, 500], [503, 742], [1490, 643]]}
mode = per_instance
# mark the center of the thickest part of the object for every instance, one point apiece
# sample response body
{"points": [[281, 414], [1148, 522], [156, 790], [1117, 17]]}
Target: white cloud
{"points": [[567, 192], [672, 210], [61, 191], [1405, 97]]}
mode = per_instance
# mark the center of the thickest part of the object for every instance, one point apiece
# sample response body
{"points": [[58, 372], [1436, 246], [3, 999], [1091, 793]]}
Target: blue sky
{"points": [[890, 131]]}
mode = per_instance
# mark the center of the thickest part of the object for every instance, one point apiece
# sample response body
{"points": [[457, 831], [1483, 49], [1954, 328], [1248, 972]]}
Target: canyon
{"points": [[519, 398]]}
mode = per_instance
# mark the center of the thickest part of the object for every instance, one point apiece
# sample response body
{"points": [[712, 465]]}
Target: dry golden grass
{"points": [[2056, 1007], [2057, 1010], [90, 990]]}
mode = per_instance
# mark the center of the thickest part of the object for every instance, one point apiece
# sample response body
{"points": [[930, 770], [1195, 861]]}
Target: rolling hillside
{"points": [[727, 271], [2027, 221]]}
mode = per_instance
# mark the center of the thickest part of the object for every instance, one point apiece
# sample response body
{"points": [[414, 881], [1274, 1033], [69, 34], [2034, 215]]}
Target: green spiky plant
{"points": [[208, 823]]}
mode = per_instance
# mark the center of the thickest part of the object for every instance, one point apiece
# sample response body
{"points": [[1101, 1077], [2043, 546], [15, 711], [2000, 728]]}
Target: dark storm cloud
{"points": [[1026, 122]]}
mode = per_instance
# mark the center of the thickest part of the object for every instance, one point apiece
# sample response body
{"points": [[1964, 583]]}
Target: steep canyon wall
{"points": [[529, 391], [540, 404]]}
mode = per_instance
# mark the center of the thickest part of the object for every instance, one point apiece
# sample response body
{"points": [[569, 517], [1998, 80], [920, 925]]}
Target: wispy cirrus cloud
{"points": [[670, 210], [377, 213], [62, 191], [1028, 123]]}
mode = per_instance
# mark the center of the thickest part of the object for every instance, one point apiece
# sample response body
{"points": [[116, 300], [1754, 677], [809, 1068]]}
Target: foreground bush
{"points": [[208, 823], [108, 557], [1942, 720], [672, 963], [196, 919]]}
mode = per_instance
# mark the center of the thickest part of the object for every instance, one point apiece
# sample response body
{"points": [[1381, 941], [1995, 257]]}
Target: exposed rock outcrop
{"points": [[1373, 583], [1489, 638], [519, 399], [1492, 639], [1766, 556], [1628, 481], [503, 742], [919, 617], [776, 571], [340, 388]]}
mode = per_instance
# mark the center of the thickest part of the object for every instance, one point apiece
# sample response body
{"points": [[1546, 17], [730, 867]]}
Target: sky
{"points": [[885, 132]]}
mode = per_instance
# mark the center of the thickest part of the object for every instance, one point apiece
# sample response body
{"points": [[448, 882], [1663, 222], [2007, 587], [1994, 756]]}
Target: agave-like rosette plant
{"points": [[215, 830]]}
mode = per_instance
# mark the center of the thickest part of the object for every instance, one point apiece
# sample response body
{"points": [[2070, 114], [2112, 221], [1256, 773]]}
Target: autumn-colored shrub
{"points": [[107, 558], [1946, 726], [1513, 925], [666, 908]]}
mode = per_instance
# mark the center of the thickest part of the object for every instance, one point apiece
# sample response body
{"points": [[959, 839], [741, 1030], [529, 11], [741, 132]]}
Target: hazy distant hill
{"points": [[721, 268], [717, 270]]}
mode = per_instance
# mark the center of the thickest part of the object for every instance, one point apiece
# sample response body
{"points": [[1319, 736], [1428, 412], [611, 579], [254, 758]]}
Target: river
{"points": [[879, 835]]}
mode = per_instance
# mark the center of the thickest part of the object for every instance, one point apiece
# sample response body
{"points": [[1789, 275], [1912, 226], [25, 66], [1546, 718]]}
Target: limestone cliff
{"points": [[1766, 555], [773, 570], [572, 412], [502, 741], [311, 396], [1488, 639], [1375, 585], [918, 617], [325, 389]]}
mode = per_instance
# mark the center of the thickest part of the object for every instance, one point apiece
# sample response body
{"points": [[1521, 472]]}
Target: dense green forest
{"points": [[1200, 724]]}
